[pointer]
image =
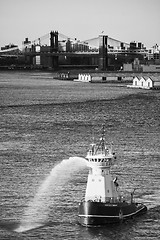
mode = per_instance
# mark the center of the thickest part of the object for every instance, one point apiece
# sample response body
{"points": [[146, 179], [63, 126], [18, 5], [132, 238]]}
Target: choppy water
{"points": [[45, 129]]}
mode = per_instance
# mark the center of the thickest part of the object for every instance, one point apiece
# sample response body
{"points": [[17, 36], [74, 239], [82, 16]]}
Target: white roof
{"points": [[153, 78]]}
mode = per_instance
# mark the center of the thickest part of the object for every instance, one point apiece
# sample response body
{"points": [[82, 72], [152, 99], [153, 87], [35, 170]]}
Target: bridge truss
{"points": [[69, 44]]}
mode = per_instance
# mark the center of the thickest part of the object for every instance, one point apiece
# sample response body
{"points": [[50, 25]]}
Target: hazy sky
{"points": [[125, 20]]}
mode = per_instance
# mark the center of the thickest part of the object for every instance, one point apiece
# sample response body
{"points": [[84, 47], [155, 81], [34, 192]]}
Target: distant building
{"points": [[154, 54], [146, 82], [130, 67], [9, 46], [26, 42]]}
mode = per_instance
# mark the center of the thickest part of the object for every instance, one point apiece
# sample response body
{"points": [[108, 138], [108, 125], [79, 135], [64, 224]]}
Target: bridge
{"points": [[54, 46]]}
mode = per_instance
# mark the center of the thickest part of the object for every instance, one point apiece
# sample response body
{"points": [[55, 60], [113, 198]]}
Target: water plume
{"points": [[38, 209]]}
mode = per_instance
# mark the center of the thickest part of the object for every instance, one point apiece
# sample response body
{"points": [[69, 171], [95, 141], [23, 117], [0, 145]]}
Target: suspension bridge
{"points": [[55, 46], [89, 45]]}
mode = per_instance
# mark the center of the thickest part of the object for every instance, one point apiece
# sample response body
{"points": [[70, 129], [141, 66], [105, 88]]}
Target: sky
{"points": [[125, 20]]}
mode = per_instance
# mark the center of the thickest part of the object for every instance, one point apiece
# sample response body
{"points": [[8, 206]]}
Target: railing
{"points": [[107, 200]]}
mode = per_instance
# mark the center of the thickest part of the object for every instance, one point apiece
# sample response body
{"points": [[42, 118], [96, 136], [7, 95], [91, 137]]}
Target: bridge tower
{"points": [[54, 48], [103, 54]]}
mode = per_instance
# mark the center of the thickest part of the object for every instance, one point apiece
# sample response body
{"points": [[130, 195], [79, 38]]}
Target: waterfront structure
{"points": [[146, 82], [83, 78], [147, 67]]}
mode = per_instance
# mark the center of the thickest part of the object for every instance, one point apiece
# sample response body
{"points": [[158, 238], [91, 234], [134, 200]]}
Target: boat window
{"points": [[99, 160]]}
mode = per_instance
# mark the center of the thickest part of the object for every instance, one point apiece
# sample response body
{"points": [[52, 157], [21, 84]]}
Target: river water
{"points": [[46, 127]]}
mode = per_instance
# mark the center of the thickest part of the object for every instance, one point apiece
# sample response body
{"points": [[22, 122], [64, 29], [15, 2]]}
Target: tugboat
{"points": [[103, 203]]}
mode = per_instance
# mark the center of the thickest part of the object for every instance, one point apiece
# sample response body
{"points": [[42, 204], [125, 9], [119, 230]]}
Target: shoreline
{"points": [[92, 71]]}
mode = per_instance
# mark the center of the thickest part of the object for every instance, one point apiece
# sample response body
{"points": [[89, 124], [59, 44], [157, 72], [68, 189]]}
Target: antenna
{"points": [[93, 138], [103, 131]]}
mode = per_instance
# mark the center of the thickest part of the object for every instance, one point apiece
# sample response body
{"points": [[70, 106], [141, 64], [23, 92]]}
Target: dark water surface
{"points": [[44, 121]]}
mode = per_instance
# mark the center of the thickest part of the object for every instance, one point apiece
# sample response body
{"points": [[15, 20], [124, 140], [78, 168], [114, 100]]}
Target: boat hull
{"points": [[98, 213]]}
